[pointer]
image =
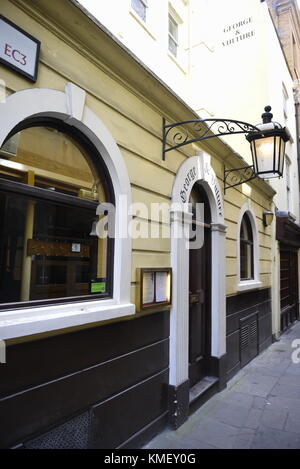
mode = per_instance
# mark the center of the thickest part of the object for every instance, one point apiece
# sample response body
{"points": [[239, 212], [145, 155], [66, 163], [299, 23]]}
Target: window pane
{"points": [[173, 36], [172, 46], [59, 163], [246, 250], [140, 8], [173, 28], [246, 229], [48, 249], [47, 252]]}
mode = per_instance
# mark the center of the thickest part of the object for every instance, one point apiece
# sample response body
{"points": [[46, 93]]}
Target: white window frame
{"points": [[170, 35], [255, 282], [70, 107]]}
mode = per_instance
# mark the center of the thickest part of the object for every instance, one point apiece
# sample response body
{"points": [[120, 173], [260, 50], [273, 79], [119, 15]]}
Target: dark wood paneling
{"points": [[34, 363], [37, 409], [139, 439], [287, 232], [265, 328], [233, 350], [239, 308], [132, 409], [247, 300], [54, 384], [289, 294]]}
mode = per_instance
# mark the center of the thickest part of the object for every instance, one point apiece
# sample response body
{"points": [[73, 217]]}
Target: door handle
{"points": [[194, 298], [197, 297]]}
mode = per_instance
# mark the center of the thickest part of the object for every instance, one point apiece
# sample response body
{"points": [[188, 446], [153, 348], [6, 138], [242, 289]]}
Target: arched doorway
{"points": [[196, 172]]}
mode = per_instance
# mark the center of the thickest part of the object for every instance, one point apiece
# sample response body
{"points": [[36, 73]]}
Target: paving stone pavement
{"points": [[259, 409]]}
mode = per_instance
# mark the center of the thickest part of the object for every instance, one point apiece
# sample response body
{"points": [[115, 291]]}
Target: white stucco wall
{"points": [[149, 40]]}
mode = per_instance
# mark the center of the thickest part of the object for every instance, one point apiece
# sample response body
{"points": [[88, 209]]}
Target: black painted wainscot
{"points": [[249, 327], [105, 387]]}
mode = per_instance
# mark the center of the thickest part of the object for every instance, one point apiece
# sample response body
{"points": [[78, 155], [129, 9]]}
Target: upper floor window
{"points": [[140, 7], [173, 35], [50, 187], [246, 249]]}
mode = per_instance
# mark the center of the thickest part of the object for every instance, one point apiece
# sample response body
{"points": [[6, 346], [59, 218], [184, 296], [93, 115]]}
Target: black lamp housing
{"points": [[268, 218], [268, 147]]}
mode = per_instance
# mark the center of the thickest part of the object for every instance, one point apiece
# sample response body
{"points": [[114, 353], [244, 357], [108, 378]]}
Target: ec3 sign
{"points": [[18, 49]]}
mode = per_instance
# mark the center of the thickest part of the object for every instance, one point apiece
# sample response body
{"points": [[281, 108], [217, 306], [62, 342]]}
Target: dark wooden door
{"points": [[199, 294], [289, 298]]}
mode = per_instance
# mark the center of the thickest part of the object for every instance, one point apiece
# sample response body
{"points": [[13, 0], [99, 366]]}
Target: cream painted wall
{"points": [[135, 123]]}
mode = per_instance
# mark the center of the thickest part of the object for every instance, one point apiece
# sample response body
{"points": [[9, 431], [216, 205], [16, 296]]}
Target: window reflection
{"points": [[46, 247]]}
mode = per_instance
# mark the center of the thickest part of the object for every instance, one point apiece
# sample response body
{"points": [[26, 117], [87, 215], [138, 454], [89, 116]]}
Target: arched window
{"points": [[246, 249], [51, 182]]}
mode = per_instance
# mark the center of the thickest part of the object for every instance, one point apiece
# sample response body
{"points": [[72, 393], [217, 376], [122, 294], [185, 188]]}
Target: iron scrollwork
{"points": [[235, 177], [191, 131]]}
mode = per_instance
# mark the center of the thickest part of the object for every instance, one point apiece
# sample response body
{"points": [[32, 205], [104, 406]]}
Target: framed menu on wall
{"points": [[153, 289]]}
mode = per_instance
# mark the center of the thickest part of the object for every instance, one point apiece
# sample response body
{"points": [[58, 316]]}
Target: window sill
{"points": [[24, 322], [249, 285], [177, 62], [142, 23]]}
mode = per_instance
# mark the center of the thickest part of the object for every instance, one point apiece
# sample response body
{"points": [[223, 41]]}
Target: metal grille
{"points": [[248, 338], [244, 337], [71, 435]]}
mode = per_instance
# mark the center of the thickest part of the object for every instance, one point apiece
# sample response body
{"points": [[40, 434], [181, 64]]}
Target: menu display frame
{"points": [[153, 289]]}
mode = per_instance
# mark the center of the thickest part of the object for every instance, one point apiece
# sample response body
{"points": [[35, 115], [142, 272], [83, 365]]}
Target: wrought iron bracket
{"points": [[191, 131], [185, 132], [235, 177]]}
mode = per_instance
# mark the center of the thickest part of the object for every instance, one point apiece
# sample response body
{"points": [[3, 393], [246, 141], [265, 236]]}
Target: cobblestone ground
{"points": [[259, 409]]}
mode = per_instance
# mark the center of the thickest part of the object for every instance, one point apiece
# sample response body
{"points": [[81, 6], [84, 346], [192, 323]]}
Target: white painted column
{"points": [[218, 293], [179, 319]]}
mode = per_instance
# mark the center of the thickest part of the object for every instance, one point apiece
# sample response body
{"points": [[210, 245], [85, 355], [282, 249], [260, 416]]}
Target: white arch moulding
{"points": [[69, 106], [196, 169]]}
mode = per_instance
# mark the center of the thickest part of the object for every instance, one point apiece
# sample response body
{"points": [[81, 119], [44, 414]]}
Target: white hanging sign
{"points": [[18, 49]]}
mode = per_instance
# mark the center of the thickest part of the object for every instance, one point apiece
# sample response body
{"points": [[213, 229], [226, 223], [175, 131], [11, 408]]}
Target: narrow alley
{"points": [[260, 409]]}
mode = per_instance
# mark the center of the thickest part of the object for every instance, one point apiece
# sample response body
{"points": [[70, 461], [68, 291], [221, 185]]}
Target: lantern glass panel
{"points": [[268, 156], [281, 156]]}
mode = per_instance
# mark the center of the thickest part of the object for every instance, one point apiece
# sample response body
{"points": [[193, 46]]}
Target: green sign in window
{"points": [[98, 287]]}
